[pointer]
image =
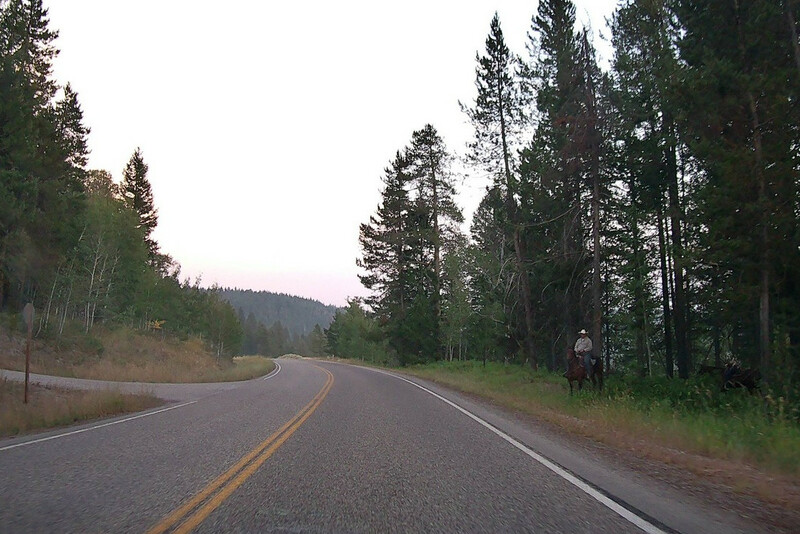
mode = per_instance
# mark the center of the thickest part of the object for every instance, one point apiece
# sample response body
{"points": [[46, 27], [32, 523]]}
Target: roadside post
{"points": [[27, 314]]}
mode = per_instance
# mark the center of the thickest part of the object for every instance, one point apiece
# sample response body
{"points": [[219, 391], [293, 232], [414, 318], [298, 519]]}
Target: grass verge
{"points": [[129, 355], [693, 427], [119, 354], [52, 407]]}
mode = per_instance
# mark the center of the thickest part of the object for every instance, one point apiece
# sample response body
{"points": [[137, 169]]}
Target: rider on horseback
{"points": [[583, 349]]}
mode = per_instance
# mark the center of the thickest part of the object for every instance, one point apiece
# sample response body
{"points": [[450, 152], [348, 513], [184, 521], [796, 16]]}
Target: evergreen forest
{"points": [[653, 202], [72, 241], [79, 245], [275, 324]]}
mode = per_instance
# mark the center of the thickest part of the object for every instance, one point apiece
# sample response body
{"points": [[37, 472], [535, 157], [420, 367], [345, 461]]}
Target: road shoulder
{"points": [[663, 491]]}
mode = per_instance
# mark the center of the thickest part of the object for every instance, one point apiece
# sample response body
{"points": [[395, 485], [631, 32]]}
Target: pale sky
{"points": [[267, 125]]}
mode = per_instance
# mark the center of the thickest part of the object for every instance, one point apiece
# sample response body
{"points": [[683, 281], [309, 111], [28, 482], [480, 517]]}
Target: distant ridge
{"points": [[298, 315]]}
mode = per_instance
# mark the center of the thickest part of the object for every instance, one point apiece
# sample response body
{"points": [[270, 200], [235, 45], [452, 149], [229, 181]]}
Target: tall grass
{"points": [[121, 354], [125, 354], [689, 416], [51, 407], [761, 429]]}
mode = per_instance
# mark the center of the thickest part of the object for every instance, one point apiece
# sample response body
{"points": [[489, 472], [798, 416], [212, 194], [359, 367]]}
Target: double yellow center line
{"points": [[210, 498]]}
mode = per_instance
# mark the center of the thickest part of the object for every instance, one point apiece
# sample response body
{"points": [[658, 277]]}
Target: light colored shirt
{"points": [[583, 345]]}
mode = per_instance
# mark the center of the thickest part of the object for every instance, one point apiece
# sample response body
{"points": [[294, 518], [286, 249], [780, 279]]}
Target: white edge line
{"points": [[40, 440], [566, 475], [274, 372]]}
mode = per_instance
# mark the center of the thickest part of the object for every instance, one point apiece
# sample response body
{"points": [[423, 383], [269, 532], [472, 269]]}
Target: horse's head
{"points": [[570, 353]]}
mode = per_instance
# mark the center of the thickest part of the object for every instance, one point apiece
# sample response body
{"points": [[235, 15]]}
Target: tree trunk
{"points": [[607, 337], [64, 315], [45, 317], [437, 280], [522, 271], [90, 292], [594, 148], [525, 292], [675, 212], [639, 300], [669, 363], [764, 348], [793, 33]]}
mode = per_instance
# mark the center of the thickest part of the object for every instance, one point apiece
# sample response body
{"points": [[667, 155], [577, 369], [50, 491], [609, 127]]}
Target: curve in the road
{"points": [[164, 393], [168, 391]]}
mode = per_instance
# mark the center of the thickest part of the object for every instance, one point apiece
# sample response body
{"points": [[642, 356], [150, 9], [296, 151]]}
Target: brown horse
{"points": [[735, 376], [576, 372]]}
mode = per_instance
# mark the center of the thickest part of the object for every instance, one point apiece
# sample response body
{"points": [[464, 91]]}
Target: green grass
{"points": [[690, 416]]}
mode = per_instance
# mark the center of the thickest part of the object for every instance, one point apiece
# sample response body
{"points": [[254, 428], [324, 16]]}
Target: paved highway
{"points": [[324, 447]]}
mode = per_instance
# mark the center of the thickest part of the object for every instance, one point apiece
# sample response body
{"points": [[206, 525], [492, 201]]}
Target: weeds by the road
{"points": [[121, 354], [696, 415], [52, 407], [124, 354], [686, 416], [247, 367]]}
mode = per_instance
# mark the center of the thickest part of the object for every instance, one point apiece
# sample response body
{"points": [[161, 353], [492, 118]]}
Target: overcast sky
{"points": [[267, 125]]}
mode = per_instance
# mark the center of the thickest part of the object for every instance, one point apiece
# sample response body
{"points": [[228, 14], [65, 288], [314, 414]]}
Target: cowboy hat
{"points": [[583, 332]]}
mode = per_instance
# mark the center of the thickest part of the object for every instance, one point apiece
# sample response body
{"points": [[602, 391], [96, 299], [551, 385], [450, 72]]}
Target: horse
{"points": [[733, 376], [713, 370], [576, 372], [736, 377]]}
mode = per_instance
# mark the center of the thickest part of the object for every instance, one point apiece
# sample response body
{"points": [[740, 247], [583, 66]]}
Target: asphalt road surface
{"points": [[324, 447]]}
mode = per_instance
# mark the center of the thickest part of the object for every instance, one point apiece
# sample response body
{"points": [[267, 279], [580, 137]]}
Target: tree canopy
{"points": [[654, 203]]}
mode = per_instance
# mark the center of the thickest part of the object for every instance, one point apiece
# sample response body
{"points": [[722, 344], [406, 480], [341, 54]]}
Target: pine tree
{"points": [[490, 274], [498, 116], [384, 244], [71, 132], [646, 69], [136, 189], [391, 245], [429, 163], [402, 246], [554, 177], [591, 145], [40, 188], [739, 85]]}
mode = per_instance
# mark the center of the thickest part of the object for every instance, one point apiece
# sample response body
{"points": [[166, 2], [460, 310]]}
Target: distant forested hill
{"points": [[298, 315]]}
